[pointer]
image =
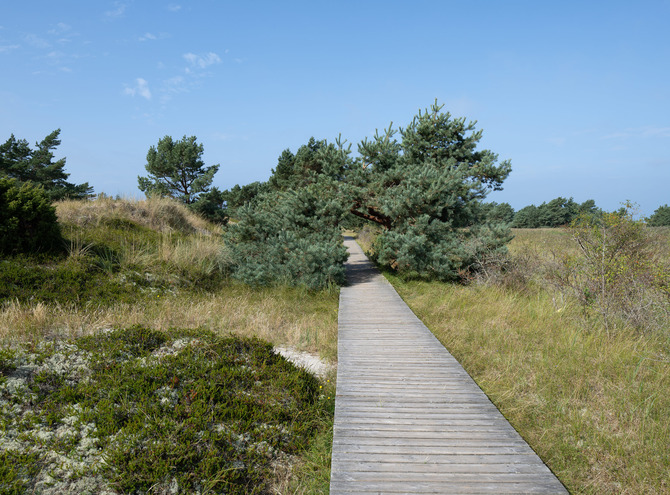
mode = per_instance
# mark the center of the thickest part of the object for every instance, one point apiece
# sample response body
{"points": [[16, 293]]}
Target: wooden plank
{"points": [[408, 418]]}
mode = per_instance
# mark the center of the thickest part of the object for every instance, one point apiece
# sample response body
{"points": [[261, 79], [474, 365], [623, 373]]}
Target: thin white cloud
{"points": [[148, 36], [173, 7], [8, 48], [60, 28], [35, 41], [171, 87], [117, 11], [141, 88], [638, 132], [202, 61], [656, 131]]}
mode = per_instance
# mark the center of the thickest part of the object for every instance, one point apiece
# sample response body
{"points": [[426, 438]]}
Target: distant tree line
{"points": [[660, 217], [555, 213], [561, 212]]}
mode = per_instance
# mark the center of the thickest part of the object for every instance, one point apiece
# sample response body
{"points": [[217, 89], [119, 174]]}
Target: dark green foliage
{"points": [[189, 409], [425, 192], [527, 218], [312, 163], [212, 206], [290, 237], [238, 196], [28, 222], [661, 217], [16, 468], [36, 166], [289, 233], [498, 212], [558, 212], [62, 281], [176, 169]]}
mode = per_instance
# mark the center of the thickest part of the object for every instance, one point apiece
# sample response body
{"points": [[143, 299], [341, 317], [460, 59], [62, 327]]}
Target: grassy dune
{"points": [[150, 275]]}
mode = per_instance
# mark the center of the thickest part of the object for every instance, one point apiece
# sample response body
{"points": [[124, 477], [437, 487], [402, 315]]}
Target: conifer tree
{"points": [[425, 192], [290, 232], [290, 237], [660, 217], [176, 169], [37, 166]]}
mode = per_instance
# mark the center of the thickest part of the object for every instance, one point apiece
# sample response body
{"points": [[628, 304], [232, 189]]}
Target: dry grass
{"points": [[175, 243], [543, 242], [293, 317], [161, 214], [593, 406]]}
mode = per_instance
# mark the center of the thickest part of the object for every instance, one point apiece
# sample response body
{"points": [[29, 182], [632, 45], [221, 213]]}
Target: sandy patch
{"points": [[306, 360]]}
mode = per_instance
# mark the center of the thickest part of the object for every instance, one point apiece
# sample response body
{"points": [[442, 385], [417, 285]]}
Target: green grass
{"points": [[593, 406]]}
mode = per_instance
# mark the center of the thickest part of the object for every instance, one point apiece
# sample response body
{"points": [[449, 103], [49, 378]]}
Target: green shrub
{"points": [[73, 280], [28, 221], [289, 237], [617, 272]]}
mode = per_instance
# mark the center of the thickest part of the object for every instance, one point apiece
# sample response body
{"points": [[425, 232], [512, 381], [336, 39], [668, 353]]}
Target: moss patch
{"points": [[141, 411]]}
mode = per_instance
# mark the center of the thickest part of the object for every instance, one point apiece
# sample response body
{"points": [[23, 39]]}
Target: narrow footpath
{"points": [[408, 418]]}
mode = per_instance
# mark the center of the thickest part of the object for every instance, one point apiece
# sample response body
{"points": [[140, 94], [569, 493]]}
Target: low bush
{"points": [[141, 411], [617, 272], [28, 222], [70, 281]]}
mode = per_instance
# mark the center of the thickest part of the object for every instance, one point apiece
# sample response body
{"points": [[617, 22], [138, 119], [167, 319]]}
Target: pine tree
{"points": [[289, 237], [660, 217], [425, 192], [176, 169], [18, 161]]}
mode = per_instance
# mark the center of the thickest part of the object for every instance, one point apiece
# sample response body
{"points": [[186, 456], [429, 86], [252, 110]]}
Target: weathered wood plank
{"points": [[408, 418]]}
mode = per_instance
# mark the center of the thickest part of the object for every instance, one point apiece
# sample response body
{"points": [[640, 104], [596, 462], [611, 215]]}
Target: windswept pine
{"points": [[424, 192]]}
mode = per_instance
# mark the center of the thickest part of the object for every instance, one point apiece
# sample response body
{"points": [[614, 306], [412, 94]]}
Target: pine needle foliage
{"points": [[28, 222], [37, 166], [425, 191], [291, 237], [176, 169]]}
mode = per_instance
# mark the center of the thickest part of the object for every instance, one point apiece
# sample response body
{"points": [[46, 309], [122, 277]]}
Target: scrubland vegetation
{"points": [[136, 336], [135, 317], [583, 376]]}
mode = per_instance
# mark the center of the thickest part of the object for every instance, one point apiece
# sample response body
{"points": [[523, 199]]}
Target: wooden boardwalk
{"points": [[408, 418]]}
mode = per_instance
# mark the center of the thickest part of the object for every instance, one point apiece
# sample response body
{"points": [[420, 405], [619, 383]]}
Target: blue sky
{"points": [[575, 93]]}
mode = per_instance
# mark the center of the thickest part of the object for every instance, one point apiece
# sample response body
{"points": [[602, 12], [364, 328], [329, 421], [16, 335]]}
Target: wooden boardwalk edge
{"points": [[408, 418]]}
